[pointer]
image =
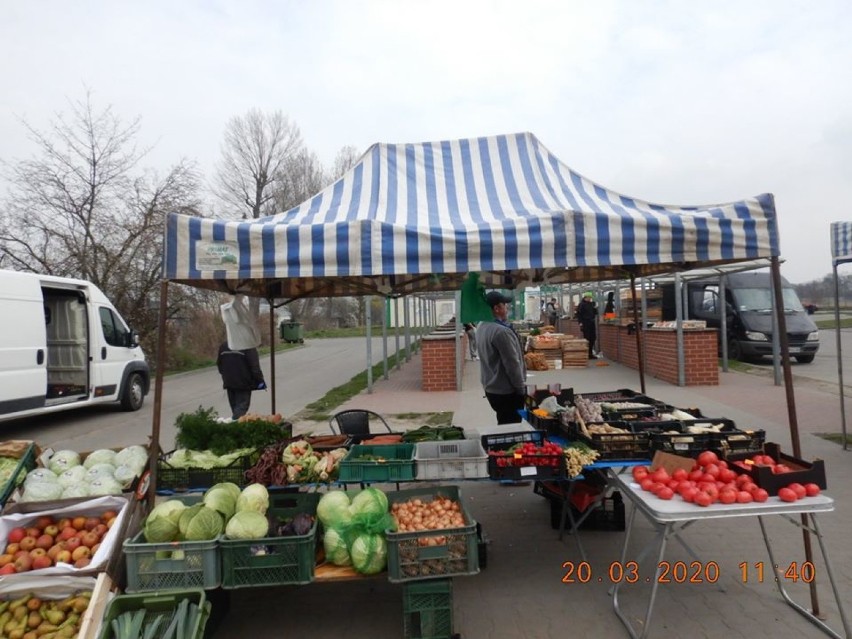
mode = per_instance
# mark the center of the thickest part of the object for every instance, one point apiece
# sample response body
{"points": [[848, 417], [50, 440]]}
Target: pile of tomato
{"points": [[529, 454], [711, 481]]}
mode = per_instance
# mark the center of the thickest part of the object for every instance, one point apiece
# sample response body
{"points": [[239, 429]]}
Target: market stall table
{"points": [[671, 517]]}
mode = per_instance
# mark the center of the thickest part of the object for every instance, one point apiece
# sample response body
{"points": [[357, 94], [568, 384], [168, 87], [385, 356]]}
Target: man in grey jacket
{"points": [[501, 361]]}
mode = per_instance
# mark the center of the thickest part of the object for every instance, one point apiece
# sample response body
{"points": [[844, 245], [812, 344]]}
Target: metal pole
{"points": [[679, 306], [368, 314], [273, 387], [638, 333], [644, 306], [775, 267], [154, 452], [839, 358], [396, 329], [776, 344], [723, 320], [407, 319], [385, 339], [459, 352]]}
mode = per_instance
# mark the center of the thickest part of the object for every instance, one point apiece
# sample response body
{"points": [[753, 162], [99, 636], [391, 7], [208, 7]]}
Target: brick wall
{"points": [[439, 362], [701, 363]]}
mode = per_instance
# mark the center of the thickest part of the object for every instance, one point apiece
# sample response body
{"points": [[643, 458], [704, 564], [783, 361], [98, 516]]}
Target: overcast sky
{"points": [[690, 102]]}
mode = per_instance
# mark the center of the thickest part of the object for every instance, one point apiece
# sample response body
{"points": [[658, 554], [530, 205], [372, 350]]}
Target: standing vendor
{"points": [[501, 366], [587, 312]]}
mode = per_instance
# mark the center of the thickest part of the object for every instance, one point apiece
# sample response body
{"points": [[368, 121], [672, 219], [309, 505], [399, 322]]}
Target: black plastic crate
{"points": [[729, 437], [550, 425], [635, 444], [622, 394], [539, 466], [671, 438], [565, 397], [173, 479]]}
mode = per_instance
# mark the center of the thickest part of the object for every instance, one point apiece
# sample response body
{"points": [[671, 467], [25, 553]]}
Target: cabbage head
{"points": [[104, 486], [247, 524], [231, 487], [72, 476], [254, 497], [221, 499], [171, 508], [134, 456], [205, 524], [369, 554], [40, 475], [100, 456], [75, 491], [333, 509], [100, 471], [186, 516], [42, 491], [336, 551], [369, 502], [63, 460], [125, 475], [161, 525]]}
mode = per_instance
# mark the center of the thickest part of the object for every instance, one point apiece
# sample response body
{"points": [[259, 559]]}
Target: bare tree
{"points": [[255, 155], [345, 159], [78, 209]]}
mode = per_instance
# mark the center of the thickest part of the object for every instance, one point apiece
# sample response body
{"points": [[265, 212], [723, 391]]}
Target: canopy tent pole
{"points": [[273, 385], [396, 330], [407, 320], [776, 338], [368, 318], [723, 321], [638, 331], [154, 450], [458, 349], [775, 268], [385, 339], [839, 357], [679, 310]]}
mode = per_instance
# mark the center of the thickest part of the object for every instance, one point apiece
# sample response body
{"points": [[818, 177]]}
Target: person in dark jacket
{"points": [[241, 374], [502, 368], [587, 313]]}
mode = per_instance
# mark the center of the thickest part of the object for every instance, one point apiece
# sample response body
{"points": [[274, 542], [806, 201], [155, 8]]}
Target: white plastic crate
{"points": [[456, 459]]}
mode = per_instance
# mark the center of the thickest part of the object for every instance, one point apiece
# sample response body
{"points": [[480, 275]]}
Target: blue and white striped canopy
{"points": [[414, 217], [841, 242]]}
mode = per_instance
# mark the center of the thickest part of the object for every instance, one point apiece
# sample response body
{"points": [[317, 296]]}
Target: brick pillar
{"points": [[439, 362]]}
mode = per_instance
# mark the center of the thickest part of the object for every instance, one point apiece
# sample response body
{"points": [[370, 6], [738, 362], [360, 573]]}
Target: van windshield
{"points": [[760, 299]]}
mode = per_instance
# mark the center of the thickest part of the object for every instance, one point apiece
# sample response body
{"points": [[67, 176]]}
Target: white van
{"points": [[62, 346]]}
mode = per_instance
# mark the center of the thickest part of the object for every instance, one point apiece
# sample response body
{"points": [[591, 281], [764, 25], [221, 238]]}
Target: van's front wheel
{"points": [[134, 393], [805, 359]]}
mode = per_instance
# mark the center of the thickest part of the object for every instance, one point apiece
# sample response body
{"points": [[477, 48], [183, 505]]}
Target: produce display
{"points": [[295, 462], [48, 541], [355, 529], [204, 430], [100, 472], [432, 433], [589, 411], [421, 515], [528, 454], [180, 623], [31, 616], [577, 455]]}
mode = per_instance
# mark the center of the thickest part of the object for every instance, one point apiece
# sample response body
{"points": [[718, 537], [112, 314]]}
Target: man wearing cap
{"points": [[501, 361], [587, 311]]}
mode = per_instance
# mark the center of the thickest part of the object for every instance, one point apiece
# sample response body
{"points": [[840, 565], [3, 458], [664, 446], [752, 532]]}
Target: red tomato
{"points": [[707, 457], [710, 489], [786, 494], [680, 474], [696, 474], [673, 483], [683, 486], [647, 483], [657, 487], [778, 469], [797, 488], [639, 473], [812, 490], [760, 495], [722, 463], [744, 497], [660, 475], [702, 499], [688, 494], [726, 475], [728, 496], [665, 493]]}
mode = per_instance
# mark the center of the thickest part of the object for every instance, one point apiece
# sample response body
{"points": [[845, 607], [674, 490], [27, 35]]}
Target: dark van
{"points": [[749, 315]]}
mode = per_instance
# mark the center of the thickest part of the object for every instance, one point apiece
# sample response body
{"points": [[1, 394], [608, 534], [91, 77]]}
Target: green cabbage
{"points": [[254, 497], [39, 475], [171, 508], [100, 456], [75, 491], [247, 524], [333, 509], [99, 471], [336, 551], [369, 502], [62, 460], [186, 516], [221, 499], [134, 456], [369, 554], [229, 486], [161, 525], [72, 476], [104, 486], [206, 523], [125, 474], [42, 491]]}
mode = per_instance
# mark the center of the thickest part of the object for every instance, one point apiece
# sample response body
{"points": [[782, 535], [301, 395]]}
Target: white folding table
{"points": [[670, 517]]}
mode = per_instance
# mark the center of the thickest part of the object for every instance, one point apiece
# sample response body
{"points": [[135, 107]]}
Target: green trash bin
{"points": [[291, 332]]}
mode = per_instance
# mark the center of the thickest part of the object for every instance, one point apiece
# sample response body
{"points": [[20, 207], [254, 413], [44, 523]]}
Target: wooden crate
{"points": [[575, 359], [571, 345]]}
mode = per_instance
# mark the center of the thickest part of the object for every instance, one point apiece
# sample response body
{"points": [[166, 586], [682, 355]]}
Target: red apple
{"points": [[73, 543], [51, 530], [80, 552], [44, 521], [79, 523], [107, 515], [8, 569], [28, 543], [55, 549], [45, 541], [42, 562], [66, 533], [82, 562], [38, 552], [100, 530], [63, 556], [6, 559], [11, 549], [89, 539], [91, 522], [15, 535], [23, 563], [63, 523]]}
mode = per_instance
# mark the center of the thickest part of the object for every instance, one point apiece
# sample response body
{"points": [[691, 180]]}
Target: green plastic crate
{"points": [[428, 609], [26, 463], [171, 565], [397, 463], [457, 553], [285, 560], [163, 604]]}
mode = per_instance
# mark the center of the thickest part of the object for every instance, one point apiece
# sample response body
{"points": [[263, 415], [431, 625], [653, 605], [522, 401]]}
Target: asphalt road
{"points": [[303, 375]]}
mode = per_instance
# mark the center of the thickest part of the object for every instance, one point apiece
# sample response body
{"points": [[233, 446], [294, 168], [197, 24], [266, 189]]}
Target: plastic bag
{"points": [[551, 405], [240, 328]]}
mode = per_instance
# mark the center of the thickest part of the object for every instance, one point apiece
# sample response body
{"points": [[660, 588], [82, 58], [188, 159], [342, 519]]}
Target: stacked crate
{"points": [[550, 346], [575, 352]]}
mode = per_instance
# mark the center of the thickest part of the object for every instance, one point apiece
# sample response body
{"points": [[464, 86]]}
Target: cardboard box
{"points": [[671, 462]]}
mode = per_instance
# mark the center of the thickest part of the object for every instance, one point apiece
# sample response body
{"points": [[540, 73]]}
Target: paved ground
{"points": [[521, 593]]}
